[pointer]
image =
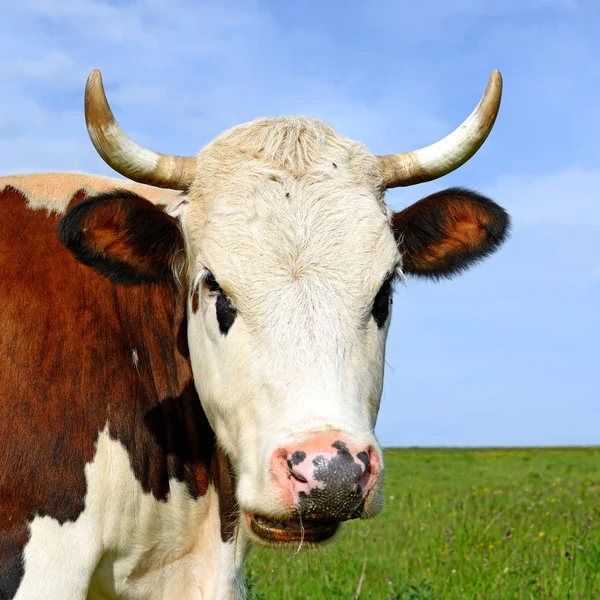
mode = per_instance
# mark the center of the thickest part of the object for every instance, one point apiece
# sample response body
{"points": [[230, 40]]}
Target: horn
{"points": [[449, 153], [123, 154]]}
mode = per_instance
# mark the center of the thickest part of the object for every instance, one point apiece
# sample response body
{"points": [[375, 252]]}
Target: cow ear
{"points": [[445, 233], [124, 237]]}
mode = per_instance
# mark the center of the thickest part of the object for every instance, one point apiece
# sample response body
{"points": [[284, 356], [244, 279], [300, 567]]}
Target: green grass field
{"points": [[473, 524]]}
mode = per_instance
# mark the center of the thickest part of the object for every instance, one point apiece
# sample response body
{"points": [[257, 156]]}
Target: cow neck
{"points": [[87, 355]]}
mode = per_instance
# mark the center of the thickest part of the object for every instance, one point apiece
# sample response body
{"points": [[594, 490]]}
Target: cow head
{"points": [[289, 255]]}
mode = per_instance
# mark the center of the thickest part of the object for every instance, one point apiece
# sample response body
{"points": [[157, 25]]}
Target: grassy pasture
{"points": [[458, 524]]}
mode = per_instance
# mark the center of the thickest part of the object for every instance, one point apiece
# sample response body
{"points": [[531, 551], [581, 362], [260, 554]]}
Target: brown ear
{"points": [[447, 232], [123, 236]]}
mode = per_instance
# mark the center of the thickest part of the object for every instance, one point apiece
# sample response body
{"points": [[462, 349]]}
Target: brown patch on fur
{"points": [[123, 236], [105, 233], [67, 335], [196, 298], [465, 227], [446, 232], [222, 475]]}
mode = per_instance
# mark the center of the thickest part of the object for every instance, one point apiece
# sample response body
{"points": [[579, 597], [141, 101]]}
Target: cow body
{"points": [[185, 374], [110, 481]]}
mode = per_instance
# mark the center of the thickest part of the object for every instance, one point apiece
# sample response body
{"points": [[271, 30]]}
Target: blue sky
{"points": [[509, 354]]}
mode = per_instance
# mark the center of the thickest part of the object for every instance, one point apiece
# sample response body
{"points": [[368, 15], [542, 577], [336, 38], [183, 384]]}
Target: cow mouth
{"points": [[292, 530]]}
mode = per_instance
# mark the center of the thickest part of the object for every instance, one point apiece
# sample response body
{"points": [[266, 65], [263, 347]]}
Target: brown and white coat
{"points": [[184, 374]]}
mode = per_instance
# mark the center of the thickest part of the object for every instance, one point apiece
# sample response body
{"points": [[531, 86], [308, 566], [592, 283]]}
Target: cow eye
{"points": [[211, 283], [225, 311], [382, 303]]}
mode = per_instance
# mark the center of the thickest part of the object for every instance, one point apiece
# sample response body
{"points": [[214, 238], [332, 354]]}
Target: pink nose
{"points": [[326, 477]]}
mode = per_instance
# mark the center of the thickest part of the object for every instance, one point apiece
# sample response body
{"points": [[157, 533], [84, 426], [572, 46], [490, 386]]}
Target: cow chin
{"points": [[296, 528], [291, 530]]}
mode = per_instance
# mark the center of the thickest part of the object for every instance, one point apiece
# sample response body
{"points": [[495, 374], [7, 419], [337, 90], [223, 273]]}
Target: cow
{"points": [[191, 360]]}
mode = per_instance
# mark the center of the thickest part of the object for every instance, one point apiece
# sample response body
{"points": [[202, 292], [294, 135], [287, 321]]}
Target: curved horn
{"points": [[449, 153], [123, 154]]}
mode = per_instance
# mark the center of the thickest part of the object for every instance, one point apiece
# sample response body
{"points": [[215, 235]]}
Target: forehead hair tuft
{"points": [[292, 144]]}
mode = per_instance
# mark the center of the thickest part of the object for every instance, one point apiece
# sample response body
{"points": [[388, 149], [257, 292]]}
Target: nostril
{"points": [[293, 461], [372, 468], [298, 476], [296, 458], [364, 458], [363, 482]]}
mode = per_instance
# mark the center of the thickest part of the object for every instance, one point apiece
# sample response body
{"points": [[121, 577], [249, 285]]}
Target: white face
{"points": [[299, 242]]}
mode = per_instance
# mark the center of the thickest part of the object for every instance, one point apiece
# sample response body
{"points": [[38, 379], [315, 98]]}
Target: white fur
{"points": [[289, 217], [129, 545]]}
